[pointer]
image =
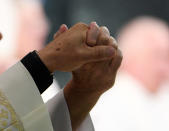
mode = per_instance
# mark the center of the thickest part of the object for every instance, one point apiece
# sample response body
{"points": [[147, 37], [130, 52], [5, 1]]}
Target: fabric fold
{"points": [[23, 95]]}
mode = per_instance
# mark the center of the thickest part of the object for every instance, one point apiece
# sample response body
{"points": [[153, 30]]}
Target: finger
{"points": [[62, 29], [116, 62], [56, 35], [0, 36], [99, 53], [104, 36], [92, 34], [105, 30], [104, 40], [113, 42]]}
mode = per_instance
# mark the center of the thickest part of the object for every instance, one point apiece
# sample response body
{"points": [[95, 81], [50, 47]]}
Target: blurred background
{"points": [[42, 18], [28, 25], [111, 13]]}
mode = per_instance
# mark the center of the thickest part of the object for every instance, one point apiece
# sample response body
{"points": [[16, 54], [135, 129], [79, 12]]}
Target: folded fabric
{"points": [[21, 107]]}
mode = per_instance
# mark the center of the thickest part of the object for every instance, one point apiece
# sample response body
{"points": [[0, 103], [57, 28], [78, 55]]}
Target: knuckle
{"points": [[104, 40], [82, 55], [117, 61], [79, 52], [120, 55], [105, 30], [81, 25], [113, 42], [119, 58], [98, 52]]}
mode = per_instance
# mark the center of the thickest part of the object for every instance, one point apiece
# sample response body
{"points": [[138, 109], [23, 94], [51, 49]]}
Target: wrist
{"points": [[79, 103], [45, 56], [39, 72], [81, 90], [82, 85]]}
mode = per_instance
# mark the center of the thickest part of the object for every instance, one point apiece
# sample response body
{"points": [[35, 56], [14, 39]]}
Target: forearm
{"points": [[79, 103]]}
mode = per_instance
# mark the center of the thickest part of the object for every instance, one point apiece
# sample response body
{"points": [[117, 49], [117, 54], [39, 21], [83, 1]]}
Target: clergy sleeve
{"points": [[21, 105], [39, 72], [58, 108]]}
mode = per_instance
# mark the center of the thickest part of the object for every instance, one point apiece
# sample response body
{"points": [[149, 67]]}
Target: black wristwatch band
{"points": [[39, 72]]}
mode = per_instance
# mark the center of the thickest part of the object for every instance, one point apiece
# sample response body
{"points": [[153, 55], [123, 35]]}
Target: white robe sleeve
{"points": [[57, 107], [21, 105]]}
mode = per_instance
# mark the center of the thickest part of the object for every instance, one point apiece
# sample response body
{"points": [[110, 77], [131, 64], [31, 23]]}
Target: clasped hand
{"points": [[93, 57]]}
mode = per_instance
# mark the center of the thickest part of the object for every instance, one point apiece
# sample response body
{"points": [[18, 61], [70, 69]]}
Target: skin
{"points": [[89, 81], [69, 51]]}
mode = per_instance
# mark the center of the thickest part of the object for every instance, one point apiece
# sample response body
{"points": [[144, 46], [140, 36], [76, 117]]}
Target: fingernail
{"points": [[95, 31], [63, 28], [110, 52], [114, 40], [93, 23], [106, 30]]}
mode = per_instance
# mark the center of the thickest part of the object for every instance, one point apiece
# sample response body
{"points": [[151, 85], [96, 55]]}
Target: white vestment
{"points": [[22, 108], [128, 106]]}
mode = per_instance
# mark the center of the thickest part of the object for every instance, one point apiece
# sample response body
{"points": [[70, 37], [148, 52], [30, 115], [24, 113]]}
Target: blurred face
{"points": [[158, 60], [146, 54]]}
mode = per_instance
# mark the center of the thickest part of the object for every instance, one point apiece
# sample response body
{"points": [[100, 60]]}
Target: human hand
{"points": [[91, 80], [69, 50], [97, 77]]}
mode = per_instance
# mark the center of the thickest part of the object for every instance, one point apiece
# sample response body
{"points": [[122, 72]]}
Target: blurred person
{"points": [[28, 30], [137, 102], [33, 27], [33, 30], [9, 26]]}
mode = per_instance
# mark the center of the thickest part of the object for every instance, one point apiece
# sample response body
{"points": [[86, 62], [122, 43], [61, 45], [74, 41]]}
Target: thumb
{"points": [[61, 30], [99, 53], [92, 34]]}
